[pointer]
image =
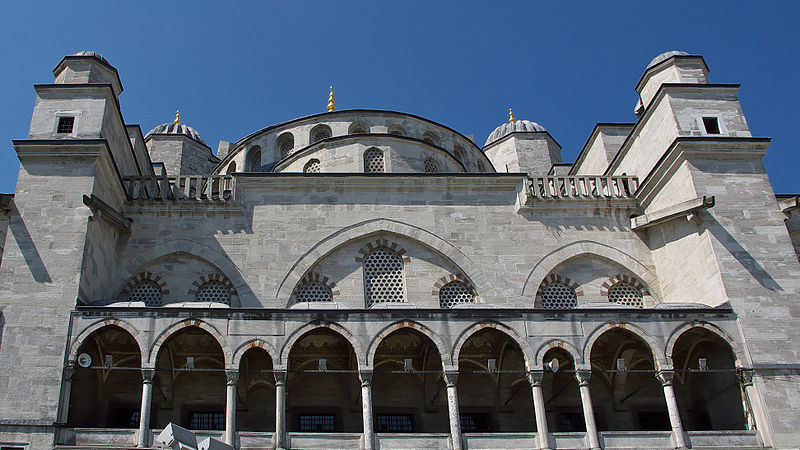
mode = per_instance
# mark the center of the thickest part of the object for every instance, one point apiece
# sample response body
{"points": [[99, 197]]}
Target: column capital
{"points": [[280, 377], [147, 374], [665, 377], [535, 377], [745, 376], [233, 376], [366, 377], [450, 377], [583, 377]]}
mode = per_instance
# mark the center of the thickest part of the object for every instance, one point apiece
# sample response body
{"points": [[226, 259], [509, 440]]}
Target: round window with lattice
{"points": [[431, 166], [373, 161], [312, 166], [625, 294], [215, 292], [148, 292], [314, 292], [383, 277], [558, 296], [455, 293]]}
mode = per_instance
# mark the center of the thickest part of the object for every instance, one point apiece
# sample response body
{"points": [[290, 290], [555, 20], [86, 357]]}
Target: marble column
{"points": [[144, 412], [450, 378], [230, 407], [535, 379], [366, 408], [280, 410], [588, 410], [665, 377]]}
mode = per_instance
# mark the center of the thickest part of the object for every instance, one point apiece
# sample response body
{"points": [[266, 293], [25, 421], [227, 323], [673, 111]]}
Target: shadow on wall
{"points": [[740, 253], [28, 247]]}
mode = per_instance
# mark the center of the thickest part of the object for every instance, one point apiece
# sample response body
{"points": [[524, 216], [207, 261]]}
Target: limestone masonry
{"points": [[373, 279]]}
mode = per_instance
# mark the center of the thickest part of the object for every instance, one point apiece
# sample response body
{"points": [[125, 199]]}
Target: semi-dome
{"points": [[176, 128], [511, 127], [93, 54], [665, 56]]}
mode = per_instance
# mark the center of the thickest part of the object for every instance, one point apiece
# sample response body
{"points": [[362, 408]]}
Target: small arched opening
{"points": [[284, 145], [107, 386], [255, 406], [561, 396], [358, 128], [254, 159], [319, 133]]}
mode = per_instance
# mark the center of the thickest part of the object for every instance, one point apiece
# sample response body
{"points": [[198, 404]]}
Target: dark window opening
{"points": [[11, 448], [65, 124], [394, 423], [207, 421], [316, 422], [477, 423], [571, 422], [654, 421], [124, 418], [711, 125]]}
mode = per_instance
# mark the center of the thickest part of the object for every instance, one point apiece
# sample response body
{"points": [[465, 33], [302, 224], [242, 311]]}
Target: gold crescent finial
{"points": [[331, 102], [178, 117], [511, 116]]}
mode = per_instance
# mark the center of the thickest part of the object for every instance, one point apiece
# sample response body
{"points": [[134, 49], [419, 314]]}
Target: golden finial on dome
{"points": [[331, 102], [177, 117], [511, 116]]}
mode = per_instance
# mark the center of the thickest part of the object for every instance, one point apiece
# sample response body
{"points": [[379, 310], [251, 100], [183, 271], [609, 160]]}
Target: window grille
{"points": [[475, 422], [285, 145], [455, 293], [146, 291], [558, 296], [312, 166], [431, 166], [65, 125], [373, 161], [625, 294], [314, 292], [213, 291], [394, 423], [458, 151], [320, 135], [254, 160], [383, 277], [207, 421], [317, 422]]}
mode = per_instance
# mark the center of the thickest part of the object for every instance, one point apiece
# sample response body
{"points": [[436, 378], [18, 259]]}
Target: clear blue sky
{"points": [[236, 67]]}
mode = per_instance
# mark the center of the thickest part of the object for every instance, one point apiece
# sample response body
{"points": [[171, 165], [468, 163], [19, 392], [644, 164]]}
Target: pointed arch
{"points": [[358, 349], [177, 327], [656, 349], [527, 351], [366, 228], [253, 343], [549, 262], [736, 347], [573, 351], [399, 325], [100, 324]]}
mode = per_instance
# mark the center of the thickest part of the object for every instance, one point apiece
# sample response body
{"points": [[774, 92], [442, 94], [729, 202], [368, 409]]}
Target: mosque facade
{"points": [[373, 279]]}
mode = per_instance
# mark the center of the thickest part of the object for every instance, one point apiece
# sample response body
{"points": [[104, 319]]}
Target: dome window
{"points": [[312, 166], [320, 133], [431, 166], [254, 159], [284, 145], [373, 161]]}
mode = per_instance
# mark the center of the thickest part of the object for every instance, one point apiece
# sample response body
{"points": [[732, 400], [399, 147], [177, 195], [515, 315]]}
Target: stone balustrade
{"points": [[217, 188], [581, 187]]}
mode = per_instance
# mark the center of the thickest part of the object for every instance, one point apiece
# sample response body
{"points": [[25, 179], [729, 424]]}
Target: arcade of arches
{"points": [[408, 389]]}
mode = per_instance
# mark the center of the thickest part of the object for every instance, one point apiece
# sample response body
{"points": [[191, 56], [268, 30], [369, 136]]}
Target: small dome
{"points": [[511, 127], [664, 56], [176, 128], [93, 54]]}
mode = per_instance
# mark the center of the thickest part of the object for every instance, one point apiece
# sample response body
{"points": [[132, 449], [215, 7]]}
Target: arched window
{"points": [[559, 296], [430, 138], [358, 128], [231, 168], [397, 130], [314, 292], [373, 161], [431, 166], [383, 277], [458, 151], [320, 132], [213, 291], [254, 159], [146, 291], [284, 145], [312, 166], [626, 294], [455, 293]]}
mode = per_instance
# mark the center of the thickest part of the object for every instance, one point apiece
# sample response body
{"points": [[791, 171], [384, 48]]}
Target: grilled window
{"points": [[65, 125], [317, 422], [207, 420], [394, 423]]}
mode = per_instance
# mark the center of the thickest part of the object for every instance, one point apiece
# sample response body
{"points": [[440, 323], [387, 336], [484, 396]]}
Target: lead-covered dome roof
{"points": [[512, 127], [93, 54], [176, 128], [665, 56]]}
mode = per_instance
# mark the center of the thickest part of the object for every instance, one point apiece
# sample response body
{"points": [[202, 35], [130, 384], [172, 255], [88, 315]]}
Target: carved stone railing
{"points": [[581, 187], [216, 188]]}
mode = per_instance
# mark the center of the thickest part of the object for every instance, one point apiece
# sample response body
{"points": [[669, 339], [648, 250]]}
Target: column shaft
{"points": [[665, 376], [144, 412], [452, 408], [280, 411], [366, 409], [535, 378], [230, 407], [588, 410]]}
